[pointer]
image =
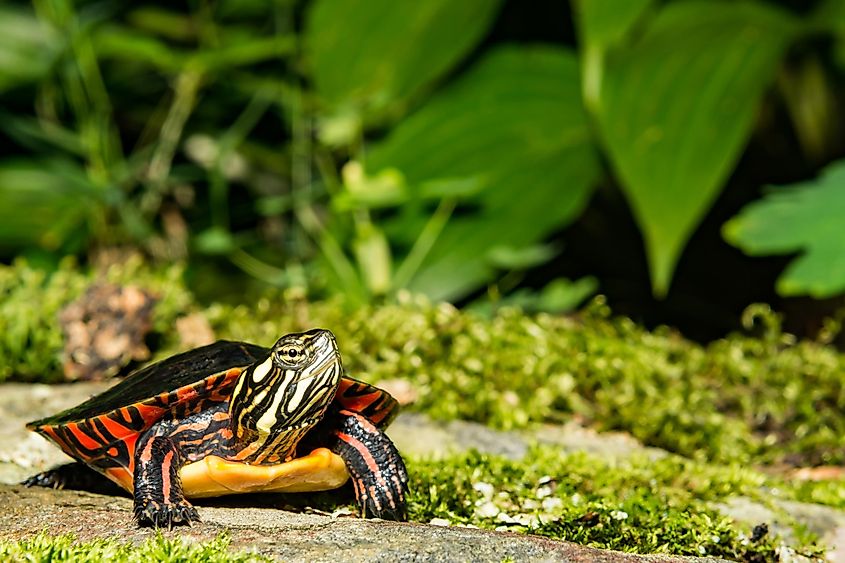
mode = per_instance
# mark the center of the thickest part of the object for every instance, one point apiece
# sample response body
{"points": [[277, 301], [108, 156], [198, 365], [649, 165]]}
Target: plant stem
{"points": [[301, 187], [258, 268], [185, 96], [424, 243]]}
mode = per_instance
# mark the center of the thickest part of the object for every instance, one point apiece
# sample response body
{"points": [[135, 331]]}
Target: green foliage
{"points": [[675, 107], [604, 23], [44, 547], [366, 148], [804, 218], [407, 47], [60, 203], [29, 47], [364, 235], [830, 15], [558, 296], [88, 189], [514, 124]]}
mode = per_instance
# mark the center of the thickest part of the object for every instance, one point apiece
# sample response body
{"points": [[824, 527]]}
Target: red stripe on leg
{"points": [[371, 465], [362, 451], [398, 486], [165, 474], [147, 452], [362, 420]]}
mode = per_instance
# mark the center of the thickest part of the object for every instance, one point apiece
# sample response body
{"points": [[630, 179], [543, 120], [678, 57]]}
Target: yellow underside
{"points": [[321, 470], [213, 476]]}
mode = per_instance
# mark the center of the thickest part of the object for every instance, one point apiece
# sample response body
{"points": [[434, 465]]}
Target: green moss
{"points": [[767, 399], [30, 301], [639, 504], [636, 504], [827, 492], [763, 399], [56, 549]]}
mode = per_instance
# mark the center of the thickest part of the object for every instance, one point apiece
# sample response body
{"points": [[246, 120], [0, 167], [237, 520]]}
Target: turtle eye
{"points": [[291, 353]]}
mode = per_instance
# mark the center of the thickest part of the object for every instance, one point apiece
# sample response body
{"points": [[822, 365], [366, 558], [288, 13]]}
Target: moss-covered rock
{"points": [[636, 504], [764, 399], [742, 398]]}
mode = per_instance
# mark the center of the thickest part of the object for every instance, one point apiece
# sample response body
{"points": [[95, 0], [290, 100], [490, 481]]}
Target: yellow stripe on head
{"points": [[261, 371]]}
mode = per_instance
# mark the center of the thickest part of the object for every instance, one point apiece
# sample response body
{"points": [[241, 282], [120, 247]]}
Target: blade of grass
{"points": [[425, 241], [84, 90], [258, 268], [301, 187], [188, 85]]}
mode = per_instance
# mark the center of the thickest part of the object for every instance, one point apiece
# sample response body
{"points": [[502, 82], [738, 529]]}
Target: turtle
{"points": [[233, 417]]}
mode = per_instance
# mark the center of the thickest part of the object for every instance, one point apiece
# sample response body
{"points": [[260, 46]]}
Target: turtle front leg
{"points": [[377, 470], [158, 497]]}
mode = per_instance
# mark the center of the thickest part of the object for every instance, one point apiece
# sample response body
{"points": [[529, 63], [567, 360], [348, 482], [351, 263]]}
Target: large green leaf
{"points": [[603, 23], [676, 107], [370, 54], [514, 123], [806, 218], [28, 47]]}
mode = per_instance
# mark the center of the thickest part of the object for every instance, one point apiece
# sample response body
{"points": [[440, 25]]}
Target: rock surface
{"points": [[288, 535], [291, 536], [22, 452]]}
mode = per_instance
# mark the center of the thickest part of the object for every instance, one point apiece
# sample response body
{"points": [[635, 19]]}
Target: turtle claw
{"points": [[49, 479], [398, 515], [387, 505], [165, 514]]}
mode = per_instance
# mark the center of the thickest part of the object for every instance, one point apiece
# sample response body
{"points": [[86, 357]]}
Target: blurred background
{"points": [[679, 157]]}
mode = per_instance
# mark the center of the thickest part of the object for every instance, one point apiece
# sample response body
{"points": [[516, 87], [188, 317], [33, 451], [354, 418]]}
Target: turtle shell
{"points": [[144, 396], [103, 430]]}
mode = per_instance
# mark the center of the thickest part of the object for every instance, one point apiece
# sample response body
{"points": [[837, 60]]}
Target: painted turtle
{"points": [[233, 417]]}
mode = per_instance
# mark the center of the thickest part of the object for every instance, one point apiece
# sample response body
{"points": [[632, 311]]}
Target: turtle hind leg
{"points": [[75, 476], [377, 470], [157, 495]]}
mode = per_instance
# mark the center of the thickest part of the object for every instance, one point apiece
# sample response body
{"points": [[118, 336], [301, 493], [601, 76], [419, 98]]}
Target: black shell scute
{"points": [[165, 376]]}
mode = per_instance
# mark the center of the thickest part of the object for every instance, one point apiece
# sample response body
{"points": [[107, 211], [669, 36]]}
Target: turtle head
{"points": [[277, 400]]}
